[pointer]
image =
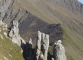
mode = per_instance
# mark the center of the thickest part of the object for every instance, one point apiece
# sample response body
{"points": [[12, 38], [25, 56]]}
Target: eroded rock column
{"points": [[45, 45], [59, 51], [38, 45]]}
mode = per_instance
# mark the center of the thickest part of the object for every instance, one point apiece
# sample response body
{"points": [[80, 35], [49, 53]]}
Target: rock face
{"points": [[3, 7], [42, 49], [59, 51], [1, 22], [14, 34], [38, 45], [41, 52], [45, 45], [43, 39]]}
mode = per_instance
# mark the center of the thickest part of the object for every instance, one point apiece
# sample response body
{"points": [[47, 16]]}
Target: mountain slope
{"points": [[68, 13], [8, 50], [73, 44], [71, 21]]}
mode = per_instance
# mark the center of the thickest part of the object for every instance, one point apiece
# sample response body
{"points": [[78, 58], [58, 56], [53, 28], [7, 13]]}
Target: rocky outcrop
{"points": [[73, 5], [45, 45], [3, 7], [3, 24], [14, 34], [42, 48], [52, 58], [38, 45], [43, 39], [66, 17], [59, 51]]}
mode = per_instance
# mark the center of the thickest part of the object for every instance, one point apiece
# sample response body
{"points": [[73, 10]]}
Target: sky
{"points": [[80, 1]]}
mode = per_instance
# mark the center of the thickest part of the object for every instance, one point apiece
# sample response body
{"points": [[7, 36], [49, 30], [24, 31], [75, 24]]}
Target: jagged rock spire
{"points": [[1, 22], [44, 39], [45, 45], [14, 34], [39, 40], [59, 51], [38, 45]]}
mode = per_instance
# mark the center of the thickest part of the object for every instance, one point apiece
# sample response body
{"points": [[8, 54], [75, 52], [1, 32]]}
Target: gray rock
{"points": [[1, 23], [14, 34], [38, 45], [30, 41], [45, 45], [59, 51], [39, 40], [3, 8], [44, 39]]}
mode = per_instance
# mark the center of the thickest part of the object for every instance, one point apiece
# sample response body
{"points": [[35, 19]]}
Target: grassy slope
{"points": [[73, 44], [8, 49], [71, 23]]}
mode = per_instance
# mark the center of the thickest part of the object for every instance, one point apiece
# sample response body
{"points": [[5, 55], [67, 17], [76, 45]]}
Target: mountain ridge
{"points": [[70, 18]]}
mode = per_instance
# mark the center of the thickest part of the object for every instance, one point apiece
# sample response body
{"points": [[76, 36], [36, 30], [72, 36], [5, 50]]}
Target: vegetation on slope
{"points": [[73, 44], [53, 13], [8, 50]]}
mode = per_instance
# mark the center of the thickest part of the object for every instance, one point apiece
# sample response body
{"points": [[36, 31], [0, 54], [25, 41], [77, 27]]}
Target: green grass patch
{"points": [[8, 49]]}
